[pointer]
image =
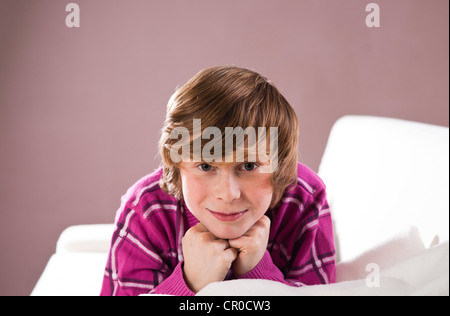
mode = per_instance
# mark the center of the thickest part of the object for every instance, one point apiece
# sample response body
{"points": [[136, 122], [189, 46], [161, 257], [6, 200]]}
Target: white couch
{"points": [[383, 176], [388, 189]]}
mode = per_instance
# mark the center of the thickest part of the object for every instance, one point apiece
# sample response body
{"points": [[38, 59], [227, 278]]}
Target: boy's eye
{"points": [[249, 166], [205, 167]]}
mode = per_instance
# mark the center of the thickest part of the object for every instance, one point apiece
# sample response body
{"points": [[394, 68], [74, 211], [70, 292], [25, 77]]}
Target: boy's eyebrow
{"points": [[222, 163]]}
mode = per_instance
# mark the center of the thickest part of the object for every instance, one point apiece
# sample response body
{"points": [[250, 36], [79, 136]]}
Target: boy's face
{"points": [[228, 198]]}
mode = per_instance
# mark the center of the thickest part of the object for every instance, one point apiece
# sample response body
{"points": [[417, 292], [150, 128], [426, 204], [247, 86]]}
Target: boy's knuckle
{"points": [[186, 238], [205, 237], [266, 221], [219, 246]]}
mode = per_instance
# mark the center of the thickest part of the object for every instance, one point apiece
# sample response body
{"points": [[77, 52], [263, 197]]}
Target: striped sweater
{"points": [[146, 254]]}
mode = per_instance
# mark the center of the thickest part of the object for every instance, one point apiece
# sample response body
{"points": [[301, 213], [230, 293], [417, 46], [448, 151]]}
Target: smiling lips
{"points": [[227, 217]]}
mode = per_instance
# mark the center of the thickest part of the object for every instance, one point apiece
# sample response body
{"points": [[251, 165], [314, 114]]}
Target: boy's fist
{"points": [[251, 246], [206, 258]]}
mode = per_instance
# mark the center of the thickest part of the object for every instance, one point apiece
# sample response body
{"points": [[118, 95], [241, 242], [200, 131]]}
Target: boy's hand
{"points": [[251, 246], [206, 259]]}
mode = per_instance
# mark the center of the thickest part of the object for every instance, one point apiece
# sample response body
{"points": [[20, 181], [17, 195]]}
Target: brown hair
{"points": [[229, 96]]}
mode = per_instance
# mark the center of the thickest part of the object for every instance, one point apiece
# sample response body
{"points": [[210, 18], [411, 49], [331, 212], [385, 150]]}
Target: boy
{"points": [[220, 209]]}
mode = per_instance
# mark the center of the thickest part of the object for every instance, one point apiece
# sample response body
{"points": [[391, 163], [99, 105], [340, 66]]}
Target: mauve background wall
{"points": [[81, 109]]}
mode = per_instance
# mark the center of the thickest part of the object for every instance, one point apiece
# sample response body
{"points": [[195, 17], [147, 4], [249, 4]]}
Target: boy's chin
{"points": [[227, 233]]}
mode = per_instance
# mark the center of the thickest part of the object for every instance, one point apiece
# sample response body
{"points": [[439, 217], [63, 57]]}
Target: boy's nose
{"points": [[227, 188]]}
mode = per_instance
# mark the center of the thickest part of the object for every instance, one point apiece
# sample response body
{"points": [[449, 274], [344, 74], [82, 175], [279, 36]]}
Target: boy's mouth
{"points": [[227, 217]]}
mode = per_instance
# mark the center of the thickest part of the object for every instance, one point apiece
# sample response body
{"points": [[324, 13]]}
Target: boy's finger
{"points": [[265, 221], [231, 254], [238, 243]]}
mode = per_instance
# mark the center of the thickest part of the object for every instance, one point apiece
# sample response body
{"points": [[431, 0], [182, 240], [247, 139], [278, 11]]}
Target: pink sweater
{"points": [[146, 254]]}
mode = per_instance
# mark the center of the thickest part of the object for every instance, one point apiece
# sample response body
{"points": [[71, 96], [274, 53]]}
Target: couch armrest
{"points": [[72, 274], [85, 238]]}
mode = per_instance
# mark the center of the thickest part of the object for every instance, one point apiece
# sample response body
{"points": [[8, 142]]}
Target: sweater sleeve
{"points": [[133, 264], [313, 253], [265, 269], [136, 265], [174, 284]]}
